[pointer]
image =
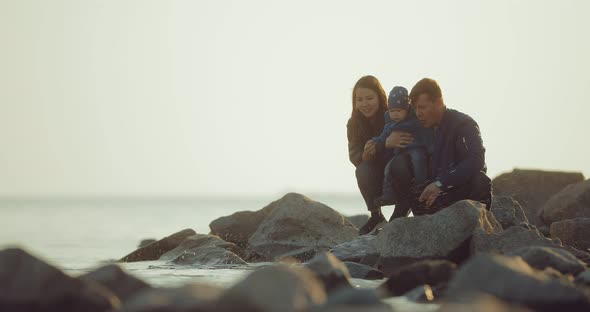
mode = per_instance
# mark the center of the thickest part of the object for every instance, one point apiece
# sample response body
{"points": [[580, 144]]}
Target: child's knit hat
{"points": [[398, 98]]}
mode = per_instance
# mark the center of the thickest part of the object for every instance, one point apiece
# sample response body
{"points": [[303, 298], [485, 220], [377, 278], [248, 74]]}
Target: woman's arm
{"points": [[356, 145]]}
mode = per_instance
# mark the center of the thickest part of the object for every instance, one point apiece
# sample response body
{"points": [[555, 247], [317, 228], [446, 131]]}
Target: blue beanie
{"points": [[398, 98]]}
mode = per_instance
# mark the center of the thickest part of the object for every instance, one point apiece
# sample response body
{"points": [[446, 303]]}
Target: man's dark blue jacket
{"points": [[458, 153]]}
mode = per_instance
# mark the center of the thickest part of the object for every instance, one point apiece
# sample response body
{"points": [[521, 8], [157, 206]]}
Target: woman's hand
{"points": [[398, 139], [370, 150]]}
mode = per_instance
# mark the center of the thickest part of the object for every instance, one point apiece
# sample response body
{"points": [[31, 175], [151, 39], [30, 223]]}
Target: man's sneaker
{"points": [[371, 224], [384, 201]]}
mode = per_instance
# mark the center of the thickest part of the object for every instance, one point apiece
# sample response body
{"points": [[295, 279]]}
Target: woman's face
{"points": [[366, 101]]}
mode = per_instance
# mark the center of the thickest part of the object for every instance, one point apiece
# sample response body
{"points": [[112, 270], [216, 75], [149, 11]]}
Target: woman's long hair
{"points": [[378, 122]]}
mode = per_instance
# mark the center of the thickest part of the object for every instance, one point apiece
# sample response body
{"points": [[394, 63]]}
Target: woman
{"points": [[369, 104]]}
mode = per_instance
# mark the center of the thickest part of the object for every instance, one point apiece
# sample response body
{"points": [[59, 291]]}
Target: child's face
{"points": [[398, 114]]}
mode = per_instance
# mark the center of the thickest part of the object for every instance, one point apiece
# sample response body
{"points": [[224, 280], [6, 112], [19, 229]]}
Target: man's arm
{"points": [[472, 154]]}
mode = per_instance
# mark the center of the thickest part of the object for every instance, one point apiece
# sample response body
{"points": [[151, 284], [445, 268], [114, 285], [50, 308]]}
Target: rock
{"points": [[573, 232], [238, 227], [570, 203], [542, 257], [29, 284], [117, 281], [331, 271], [274, 288], [203, 249], [155, 250], [422, 294], [508, 212], [443, 235], [583, 278], [357, 249], [480, 303], [145, 242], [362, 271], [352, 299], [298, 222], [514, 281], [188, 298], [300, 255], [532, 188], [509, 240], [426, 272], [358, 220]]}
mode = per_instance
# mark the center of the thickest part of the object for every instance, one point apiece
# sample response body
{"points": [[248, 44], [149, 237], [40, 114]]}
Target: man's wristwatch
{"points": [[438, 184]]}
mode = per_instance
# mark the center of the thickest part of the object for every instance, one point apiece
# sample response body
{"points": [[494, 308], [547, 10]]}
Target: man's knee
{"points": [[481, 189]]}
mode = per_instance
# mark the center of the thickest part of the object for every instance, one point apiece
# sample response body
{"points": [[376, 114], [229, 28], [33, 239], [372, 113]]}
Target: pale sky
{"points": [[183, 98]]}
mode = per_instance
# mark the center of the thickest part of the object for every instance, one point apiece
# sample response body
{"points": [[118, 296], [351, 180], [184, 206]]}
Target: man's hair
{"points": [[426, 86]]}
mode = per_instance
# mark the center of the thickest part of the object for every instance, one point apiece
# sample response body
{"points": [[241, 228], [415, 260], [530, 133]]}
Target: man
{"points": [[457, 164]]}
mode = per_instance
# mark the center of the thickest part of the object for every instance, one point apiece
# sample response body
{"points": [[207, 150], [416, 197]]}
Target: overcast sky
{"points": [[167, 98]]}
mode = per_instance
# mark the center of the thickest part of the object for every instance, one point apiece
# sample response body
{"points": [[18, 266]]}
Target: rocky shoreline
{"points": [[529, 253]]}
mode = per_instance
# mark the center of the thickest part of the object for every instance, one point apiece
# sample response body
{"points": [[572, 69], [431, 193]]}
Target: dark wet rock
{"points": [[540, 257], [274, 288], [29, 284], [509, 240], [120, 283], [155, 250], [511, 279], [358, 220], [298, 222], [300, 255], [357, 249], [145, 242], [188, 298], [332, 272], [238, 227], [508, 212], [352, 299], [443, 235], [408, 277], [570, 203], [362, 271], [583, 278], [532, 188], [204, 249], [573, 232]]}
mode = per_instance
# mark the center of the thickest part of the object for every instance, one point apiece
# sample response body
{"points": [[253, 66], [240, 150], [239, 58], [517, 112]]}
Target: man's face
{"points": [[428, 112]]}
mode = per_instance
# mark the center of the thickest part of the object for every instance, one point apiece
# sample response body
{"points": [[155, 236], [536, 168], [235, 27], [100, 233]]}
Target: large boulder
{"points": [[357, 249], [508, 212], [573, 232], [332, 272], [204, 249], [238, 227], [427, 272], [509, 240], [117, 281], [540, 258], [570, 203], [29, 284], [188, 298], [532, 188], [443, 235], [511, 279], [274, 288], [155, 250], [297, 222]]}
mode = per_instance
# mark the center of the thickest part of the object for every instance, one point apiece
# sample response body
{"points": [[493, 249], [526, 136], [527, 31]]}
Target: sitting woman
{"points": [[369, 104]]}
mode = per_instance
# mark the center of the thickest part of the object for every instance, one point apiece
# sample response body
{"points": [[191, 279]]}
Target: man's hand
{"points": [[398, 139], [430, 193], [370, 150]]}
